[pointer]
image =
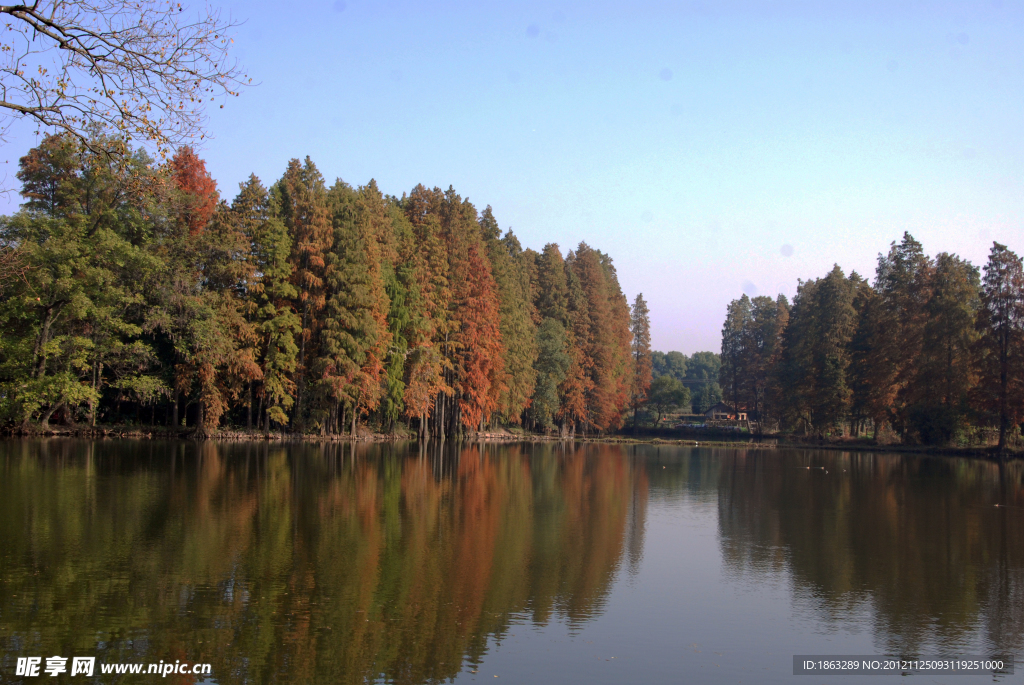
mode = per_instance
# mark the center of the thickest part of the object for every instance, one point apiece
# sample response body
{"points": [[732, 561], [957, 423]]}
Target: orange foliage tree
{"points": [[198, 189]]}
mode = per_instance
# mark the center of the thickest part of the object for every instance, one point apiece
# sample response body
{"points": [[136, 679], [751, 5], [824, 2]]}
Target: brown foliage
{"points": [[198, 189]]}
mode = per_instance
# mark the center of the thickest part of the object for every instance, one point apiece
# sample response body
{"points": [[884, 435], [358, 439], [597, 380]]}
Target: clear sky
{"points": [[712, 148]]}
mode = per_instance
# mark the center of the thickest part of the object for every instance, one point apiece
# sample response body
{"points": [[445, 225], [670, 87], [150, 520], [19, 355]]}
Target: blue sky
{"points": [[711, 148]]}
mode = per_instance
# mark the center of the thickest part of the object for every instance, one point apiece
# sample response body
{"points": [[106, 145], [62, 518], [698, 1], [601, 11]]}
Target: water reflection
{"points": [[307, 563], [342, 564], [918, 543]]}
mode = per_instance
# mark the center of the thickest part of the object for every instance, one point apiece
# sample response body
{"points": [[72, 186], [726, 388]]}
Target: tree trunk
{"points": [[92, 400], [200, 432], [45, 423], [440, 416], [1003, 383], [259, 411], [38, 355], [299, 394], [174, 416]]}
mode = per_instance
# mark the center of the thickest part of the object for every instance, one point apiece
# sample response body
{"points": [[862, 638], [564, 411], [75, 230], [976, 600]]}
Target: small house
{"points": [[723, 412]]}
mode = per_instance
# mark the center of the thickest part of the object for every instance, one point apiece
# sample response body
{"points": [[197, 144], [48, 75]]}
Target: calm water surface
{"points": [[532, 564]]}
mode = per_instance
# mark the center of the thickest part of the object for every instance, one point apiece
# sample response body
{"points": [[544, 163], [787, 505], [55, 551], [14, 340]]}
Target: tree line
{"points": [[682, 383], [132, 293], [931, 352]]}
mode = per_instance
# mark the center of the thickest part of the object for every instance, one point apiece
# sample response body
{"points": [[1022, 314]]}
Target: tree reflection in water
{"points": [[919, 542], [304, 563], [339, 563]]}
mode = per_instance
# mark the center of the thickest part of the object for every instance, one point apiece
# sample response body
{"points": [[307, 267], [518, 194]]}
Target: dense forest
{"points": [[133, 294], [932, 352]]}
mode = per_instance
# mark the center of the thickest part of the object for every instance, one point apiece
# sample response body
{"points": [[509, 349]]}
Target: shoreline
{"points": [[766, 442]]}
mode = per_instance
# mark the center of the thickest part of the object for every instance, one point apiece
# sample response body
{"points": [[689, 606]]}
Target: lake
{"points": [[532, 563]]}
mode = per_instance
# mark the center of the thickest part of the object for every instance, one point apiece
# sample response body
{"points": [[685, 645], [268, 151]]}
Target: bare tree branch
{"points": [[139, 67]]}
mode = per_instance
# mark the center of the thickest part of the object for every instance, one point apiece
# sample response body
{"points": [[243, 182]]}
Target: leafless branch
{"points": [[139, 67]]}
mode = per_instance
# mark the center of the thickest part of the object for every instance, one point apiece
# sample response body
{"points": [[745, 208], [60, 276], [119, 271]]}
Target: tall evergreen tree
{"points": [[575, 388], [197, 196], [552, 364], [608, 370], [902, 282], [734, 373], [271, 296], [813, 372], [640, 326], [552, 290], [518, 332], [301, 198], [945, 369], [354, 332], [769, 319], [429, 352], [1001, 347]]}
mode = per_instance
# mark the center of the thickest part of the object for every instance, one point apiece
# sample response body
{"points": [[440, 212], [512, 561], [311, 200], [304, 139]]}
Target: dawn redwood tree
{"points": [[836, 324], [480, 355], [197, 191], [769, 319], [301, 200], [640, 326], [903, 285], [223, 355], [404, 316], [430, 335], [867, 400], [1001, 347], [575, 388], [551, 365], [518, 331], [813, 370], [601, 398], [552, 290], [271, 295], [946, 370], [734, 373], [354, 334], [623, 339], [475, 347]]}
